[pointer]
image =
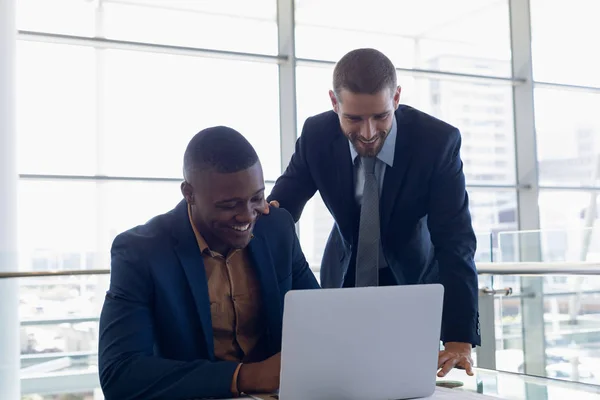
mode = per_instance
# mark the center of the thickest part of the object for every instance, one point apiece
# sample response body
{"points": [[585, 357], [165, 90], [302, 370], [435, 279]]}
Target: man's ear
{"points": [[188, 192], [334, 102], [397, 97]]}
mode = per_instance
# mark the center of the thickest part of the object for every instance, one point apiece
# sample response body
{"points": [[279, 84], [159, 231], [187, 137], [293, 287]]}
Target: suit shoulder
{"points": [[325, 123], [145, 236], [427, 128], [278, 219]]}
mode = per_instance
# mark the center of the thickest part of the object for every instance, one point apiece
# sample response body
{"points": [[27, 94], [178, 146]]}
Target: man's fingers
{"points": [[274, 203], [447, 367], [443, 358], [266, 209], [467, 365]]}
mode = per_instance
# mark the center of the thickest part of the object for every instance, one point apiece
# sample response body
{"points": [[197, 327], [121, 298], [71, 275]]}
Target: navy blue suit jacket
{"points": [[426, 229], [156, 339]]}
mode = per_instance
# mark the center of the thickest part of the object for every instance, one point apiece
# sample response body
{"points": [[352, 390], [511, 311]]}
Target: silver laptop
{"points": [[376, 343]]}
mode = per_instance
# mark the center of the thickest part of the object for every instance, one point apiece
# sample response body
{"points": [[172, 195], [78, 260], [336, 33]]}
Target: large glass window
{"points": [[565, 41], [433, 34], [568, 137], [155, 103], [56, 103], [72, 17], [234, 25]]}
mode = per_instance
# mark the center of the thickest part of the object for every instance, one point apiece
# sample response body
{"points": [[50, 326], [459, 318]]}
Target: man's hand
{"points": [[260, 377], [455, 354], [272, 203]]}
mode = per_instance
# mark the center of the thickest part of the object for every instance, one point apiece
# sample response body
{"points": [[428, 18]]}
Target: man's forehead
{"points": [[366, 104], [240, 184]]}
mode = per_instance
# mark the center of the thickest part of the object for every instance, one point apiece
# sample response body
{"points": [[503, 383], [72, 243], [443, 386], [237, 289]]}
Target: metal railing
{"points": [[499, 268]]}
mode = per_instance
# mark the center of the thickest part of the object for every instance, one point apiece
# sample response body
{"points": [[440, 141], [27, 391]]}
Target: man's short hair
{"points": [[218, 148], [364, 71]]}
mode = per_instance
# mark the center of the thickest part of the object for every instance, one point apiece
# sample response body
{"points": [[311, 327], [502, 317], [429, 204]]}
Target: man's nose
{"points": [[247, 214], [368, 130]]}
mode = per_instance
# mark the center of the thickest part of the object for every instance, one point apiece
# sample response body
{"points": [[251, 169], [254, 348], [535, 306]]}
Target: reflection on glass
{"points": [[409, 32], [521, 387]]}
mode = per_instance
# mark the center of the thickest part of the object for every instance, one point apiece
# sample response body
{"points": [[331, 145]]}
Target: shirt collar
{"points": [[386, 154]]}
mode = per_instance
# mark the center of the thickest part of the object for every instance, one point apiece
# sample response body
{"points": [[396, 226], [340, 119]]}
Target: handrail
{"points": [[539, 268], [66, 272], [496, 268]]}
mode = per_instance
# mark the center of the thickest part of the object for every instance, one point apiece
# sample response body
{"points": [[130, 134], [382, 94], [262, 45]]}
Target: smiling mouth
{"points": [[241, 228], [368, 141]]}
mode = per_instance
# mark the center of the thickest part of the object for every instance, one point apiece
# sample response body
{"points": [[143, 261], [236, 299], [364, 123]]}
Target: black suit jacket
{"points": [[156, 335], [426, 229]]}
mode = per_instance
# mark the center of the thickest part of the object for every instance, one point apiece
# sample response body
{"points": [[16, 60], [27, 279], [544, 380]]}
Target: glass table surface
{"points": [[507, 385]]}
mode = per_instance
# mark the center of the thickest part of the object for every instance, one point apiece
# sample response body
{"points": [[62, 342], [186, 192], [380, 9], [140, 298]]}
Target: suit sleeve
{"points": [[296, 186], [449, 222], [127, 366]]}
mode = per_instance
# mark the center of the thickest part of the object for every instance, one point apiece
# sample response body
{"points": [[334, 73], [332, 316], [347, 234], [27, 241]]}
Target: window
{"points": [[155, 103], [67, 219], [409, 32], [565, 41], [56, 104], [204, 24], [73, 17], [313, 84], [568, 148]]}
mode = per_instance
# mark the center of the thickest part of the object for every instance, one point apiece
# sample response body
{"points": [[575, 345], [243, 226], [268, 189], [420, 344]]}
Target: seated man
{"points": [[195, 303]]}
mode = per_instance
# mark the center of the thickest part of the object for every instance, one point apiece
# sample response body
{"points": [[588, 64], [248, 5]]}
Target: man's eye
{"points": [[227, 206]]}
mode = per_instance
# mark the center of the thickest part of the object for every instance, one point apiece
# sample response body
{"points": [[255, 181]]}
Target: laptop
{"points": [[376, 343]]}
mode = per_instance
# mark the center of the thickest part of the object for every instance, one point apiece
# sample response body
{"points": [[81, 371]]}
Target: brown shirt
{"points": [[235, 304]]}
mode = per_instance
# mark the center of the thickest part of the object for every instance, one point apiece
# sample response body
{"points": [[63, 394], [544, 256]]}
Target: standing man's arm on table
{"points": [[127, 365], [454, 241], [296, 186]]}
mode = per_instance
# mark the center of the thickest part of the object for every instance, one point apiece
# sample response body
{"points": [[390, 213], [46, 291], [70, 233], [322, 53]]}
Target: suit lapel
{"points": [[265, 270], [188, 252], [394, 176], [341, 163]]}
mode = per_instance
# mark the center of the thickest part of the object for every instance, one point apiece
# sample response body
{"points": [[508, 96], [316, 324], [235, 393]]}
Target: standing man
{"points": [[392, 178]]}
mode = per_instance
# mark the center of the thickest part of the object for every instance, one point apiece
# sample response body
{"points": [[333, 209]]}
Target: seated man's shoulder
{"points": [[277, 225], [147, 236], [278, 222]]}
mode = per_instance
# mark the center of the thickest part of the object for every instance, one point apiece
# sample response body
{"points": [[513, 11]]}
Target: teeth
{"points": [[241, 228], [368, 141]]}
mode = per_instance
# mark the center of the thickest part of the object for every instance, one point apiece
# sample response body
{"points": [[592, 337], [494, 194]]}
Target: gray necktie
{"points": [[367, 256]]}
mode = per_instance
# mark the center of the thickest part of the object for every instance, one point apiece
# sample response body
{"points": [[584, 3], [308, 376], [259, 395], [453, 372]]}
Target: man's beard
{"points": [[363, 149]]}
